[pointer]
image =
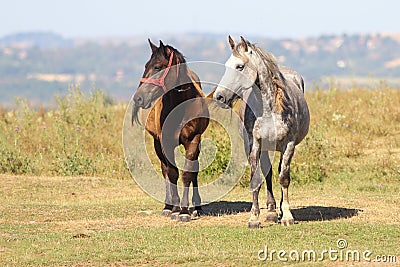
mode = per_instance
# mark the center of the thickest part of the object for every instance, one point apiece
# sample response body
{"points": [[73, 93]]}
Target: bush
{"points": [[80, 136]]}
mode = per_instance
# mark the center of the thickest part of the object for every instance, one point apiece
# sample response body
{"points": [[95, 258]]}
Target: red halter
{"points": [[160, 81]]}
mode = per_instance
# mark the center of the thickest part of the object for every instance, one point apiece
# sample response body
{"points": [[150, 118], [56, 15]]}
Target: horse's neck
{"points": [[178, 95], [187, 88], [265, 86], [184, 91], [171, 99]]}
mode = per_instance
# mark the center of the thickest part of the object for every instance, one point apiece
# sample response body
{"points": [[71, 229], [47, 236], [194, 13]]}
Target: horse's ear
{"points": [[244, 44], [152, 46], [231, 42], [161, 44]]}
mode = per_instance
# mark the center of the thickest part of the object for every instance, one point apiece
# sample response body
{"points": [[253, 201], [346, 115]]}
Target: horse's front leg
{"points": [[189, 175], [255, 183], [266, 168], [171, 207], [196, 199], [170, 174], [284, 179]]}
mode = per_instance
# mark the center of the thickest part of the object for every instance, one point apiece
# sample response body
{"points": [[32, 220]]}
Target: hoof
{"points": [[174, 215], [166, 213], [197, 214], [287, 222], [272, 216], [254, 225], [184, 218]]}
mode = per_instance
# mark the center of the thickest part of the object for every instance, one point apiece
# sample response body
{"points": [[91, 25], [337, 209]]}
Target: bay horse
{"points": [[178, 115], [274, 115]]}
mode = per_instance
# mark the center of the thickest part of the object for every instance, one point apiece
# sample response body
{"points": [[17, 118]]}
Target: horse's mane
{"points": [[192, 75], [272, 74], [165, 50]]}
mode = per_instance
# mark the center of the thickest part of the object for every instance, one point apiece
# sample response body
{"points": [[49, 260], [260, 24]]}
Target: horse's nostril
{"points": [[221, 98], [138, 100]]}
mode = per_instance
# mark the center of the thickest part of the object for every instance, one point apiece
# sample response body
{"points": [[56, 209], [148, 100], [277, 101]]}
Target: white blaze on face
{"points": [[240, 74], [234, 78], [233, 62]]}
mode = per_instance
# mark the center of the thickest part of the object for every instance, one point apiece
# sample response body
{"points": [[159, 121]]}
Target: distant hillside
{"points": [[35, 39], [37, 65]]}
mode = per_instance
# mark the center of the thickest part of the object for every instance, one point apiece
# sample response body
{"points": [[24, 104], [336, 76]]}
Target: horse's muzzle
{"points": [[139, 101], [221, 100]]}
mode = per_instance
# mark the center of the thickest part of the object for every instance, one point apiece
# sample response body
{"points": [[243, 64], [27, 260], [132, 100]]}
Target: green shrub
{"points": [[81, 135]]}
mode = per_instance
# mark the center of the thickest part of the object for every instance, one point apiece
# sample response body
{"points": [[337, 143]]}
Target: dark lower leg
{"points": [[170, 174], [196, 199], [271, 203], [172, 197], [272, 215], [185, 200], [184, 213], [266, 169], [189, 177], [168, 193], [190, 173]]}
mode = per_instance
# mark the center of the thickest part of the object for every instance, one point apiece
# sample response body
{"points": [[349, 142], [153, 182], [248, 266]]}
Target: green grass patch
{"points": [[98, 221]]}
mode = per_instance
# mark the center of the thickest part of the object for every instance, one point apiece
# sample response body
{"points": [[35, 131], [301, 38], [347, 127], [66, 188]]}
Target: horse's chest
{"points": [[270, 129]]}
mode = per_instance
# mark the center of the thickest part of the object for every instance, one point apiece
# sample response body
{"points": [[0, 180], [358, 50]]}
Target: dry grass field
{"points": [[67, 198]]}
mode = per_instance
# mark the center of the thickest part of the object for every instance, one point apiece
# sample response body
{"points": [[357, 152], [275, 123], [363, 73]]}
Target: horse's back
{"points": [[292, 75], [295, 90]]}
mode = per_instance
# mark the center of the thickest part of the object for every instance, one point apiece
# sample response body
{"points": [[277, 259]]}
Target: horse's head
{"points": [[160, 75], [240, 73]]}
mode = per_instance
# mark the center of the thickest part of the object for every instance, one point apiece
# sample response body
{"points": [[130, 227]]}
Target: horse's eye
{"points": [[157, 67], [240, 67]]}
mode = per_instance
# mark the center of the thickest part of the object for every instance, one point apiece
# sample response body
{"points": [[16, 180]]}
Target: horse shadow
{"points": [[322, 213], [301, 214], [226, 208]]}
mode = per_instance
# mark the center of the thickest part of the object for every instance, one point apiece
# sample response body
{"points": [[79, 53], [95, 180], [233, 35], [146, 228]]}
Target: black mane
{"points": [[163, 51]]}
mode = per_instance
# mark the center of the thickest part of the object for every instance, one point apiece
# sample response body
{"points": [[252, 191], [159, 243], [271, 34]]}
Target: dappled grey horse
{"points": [[274, 116]]}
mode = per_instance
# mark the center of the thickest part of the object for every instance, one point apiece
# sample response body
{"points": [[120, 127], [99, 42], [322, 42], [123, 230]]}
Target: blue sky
{"points": [[275, 19]]}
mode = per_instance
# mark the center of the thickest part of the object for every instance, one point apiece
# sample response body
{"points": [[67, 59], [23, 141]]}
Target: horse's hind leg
{"points": [[196, 199], [284, 179], [189, 175], [266, 168]]}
